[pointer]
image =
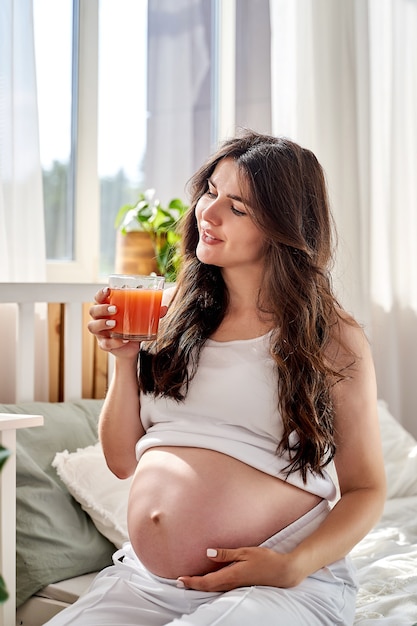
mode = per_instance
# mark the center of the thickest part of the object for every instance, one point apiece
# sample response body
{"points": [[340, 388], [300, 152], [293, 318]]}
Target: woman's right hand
{"points": [[102, 324]]}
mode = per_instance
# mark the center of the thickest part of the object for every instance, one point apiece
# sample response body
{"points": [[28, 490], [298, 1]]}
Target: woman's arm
{"points": [[120, 427], [359, 463], [360, 468], [119, 423]]}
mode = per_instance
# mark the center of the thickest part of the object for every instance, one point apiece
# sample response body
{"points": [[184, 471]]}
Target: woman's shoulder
{"points": [[168, 295], [348, 328], [349, 343]]}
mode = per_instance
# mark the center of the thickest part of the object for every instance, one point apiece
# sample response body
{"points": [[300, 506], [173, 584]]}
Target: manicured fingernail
{"points": [[111, 309], [111, 323], [106, 291], [211, 552], [125, 341], [180, 584]]}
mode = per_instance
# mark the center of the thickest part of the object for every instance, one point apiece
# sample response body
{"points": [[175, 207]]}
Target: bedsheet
{"points": [[386, 561]]}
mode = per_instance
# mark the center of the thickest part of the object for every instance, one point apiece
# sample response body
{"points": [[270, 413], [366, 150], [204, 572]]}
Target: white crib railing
{"points": [[26, 296]]}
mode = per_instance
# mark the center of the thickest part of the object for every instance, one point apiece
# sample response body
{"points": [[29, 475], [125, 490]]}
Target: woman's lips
{"points": [[209, 238]]}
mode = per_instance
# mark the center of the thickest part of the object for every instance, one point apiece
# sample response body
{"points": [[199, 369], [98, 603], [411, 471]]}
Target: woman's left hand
{"points": [[246, 567]]}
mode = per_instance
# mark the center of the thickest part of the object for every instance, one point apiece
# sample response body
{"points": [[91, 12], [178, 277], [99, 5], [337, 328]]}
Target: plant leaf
{"points": [[178, 204], [4, 455], [3, 591], [121, 214]]}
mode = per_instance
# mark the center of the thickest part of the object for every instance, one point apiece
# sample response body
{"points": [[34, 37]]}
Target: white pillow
{"points": [[400, 455], [100, 493]]}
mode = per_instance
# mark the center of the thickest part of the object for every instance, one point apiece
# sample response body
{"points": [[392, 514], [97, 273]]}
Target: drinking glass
{"points": [[138, 303]]}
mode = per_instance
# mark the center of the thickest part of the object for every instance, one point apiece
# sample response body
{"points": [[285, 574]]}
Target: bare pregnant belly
{"points": [[185, 500]]}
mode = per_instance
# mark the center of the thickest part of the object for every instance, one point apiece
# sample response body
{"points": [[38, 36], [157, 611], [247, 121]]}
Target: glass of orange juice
{"points": [[138, 302]]}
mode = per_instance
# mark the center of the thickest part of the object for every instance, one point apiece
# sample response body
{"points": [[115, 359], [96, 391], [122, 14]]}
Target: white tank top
{"points": [[231, 407]]}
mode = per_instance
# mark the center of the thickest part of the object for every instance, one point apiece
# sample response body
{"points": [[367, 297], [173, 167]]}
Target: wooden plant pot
{"points": [[135, 254]]}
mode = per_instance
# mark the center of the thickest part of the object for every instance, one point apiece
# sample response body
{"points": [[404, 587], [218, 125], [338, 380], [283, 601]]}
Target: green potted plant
{"points": [[150, 224], [4, 454]]}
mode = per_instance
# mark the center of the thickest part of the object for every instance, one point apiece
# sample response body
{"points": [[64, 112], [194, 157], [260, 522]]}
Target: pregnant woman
{"points": [[258, 392]]}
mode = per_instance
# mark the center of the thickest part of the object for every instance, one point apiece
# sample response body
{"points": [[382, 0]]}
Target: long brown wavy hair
{"points": [[287, 200]]}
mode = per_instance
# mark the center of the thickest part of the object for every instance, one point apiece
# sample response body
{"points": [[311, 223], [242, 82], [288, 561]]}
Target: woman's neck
{"points": [[243, 288], [243, 318]]}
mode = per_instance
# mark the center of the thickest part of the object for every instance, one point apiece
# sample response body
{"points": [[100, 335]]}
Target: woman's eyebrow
{"points": [[229, 195]]}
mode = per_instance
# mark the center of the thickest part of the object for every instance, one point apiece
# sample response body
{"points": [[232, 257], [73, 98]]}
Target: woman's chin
{"points": [[206, 257]]}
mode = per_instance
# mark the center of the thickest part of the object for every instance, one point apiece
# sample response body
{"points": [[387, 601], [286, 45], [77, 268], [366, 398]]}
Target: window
{"points": [[122, 105], [66, 51], [128, 100], [53, 49]]}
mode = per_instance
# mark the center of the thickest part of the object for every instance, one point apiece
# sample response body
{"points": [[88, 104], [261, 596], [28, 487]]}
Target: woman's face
{"points": [[228, 236]]}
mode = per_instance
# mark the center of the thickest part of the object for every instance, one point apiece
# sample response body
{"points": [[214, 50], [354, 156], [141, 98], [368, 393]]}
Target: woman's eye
{"points": [[210, 194], [236, 212]]}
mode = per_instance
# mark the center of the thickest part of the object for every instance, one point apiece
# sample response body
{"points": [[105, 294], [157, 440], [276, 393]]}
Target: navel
{"points": [[156, 517]]}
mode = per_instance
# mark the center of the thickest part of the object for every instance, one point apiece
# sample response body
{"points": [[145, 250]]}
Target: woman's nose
{"points": [[211, 213]]}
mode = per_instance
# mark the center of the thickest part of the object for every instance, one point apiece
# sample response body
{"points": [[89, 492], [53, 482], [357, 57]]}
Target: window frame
{"points": [[84, 266]]}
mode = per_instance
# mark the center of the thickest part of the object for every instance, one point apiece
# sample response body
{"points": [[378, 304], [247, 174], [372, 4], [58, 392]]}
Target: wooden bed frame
{"points": [[70, 345]]}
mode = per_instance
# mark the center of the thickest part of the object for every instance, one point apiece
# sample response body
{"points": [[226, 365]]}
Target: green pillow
{"points": [[55, 538]]}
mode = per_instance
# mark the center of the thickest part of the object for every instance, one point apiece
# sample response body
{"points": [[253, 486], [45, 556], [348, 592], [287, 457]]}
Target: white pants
{"points": [[127, 594]]}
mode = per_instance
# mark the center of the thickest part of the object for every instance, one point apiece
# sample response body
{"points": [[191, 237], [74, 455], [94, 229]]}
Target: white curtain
{"points": [[22, 233], [22, 238], [344, 77], [178, 132]]}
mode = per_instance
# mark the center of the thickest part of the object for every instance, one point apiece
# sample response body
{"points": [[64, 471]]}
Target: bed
{"points": [[71, 511]]}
